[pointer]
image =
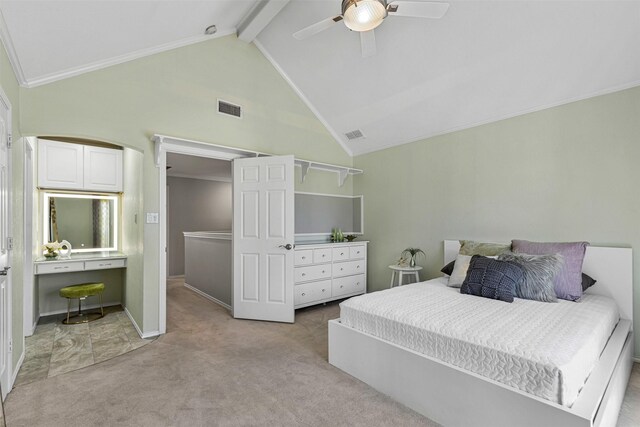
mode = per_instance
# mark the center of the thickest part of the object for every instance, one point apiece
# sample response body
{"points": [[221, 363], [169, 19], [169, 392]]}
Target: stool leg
{"points": [[417, 277], [101, 307], [68, 308], [393, 278]]}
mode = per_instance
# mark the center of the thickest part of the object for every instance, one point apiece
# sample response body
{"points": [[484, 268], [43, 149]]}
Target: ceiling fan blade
{"points": [[418, 9], [368, 43], [316, 28]]}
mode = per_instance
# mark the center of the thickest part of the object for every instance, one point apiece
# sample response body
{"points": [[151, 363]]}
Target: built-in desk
{"points": [[83, 267], [81, 262]]}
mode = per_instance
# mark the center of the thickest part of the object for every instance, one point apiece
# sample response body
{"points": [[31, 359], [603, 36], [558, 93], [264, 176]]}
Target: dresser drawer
{"points": [[348, 285], [107, 263], [304, 257], [356, 252], [321, 255], [59, 267], [341, 253], [312, 272], [348, 268], [310, 292]]}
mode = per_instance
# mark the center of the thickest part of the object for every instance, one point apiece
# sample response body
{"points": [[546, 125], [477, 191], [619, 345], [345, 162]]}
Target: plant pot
{"points": [[51, 256]]}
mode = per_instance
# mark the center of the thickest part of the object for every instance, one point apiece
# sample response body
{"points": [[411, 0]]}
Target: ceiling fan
{"points": [[365, 15]]}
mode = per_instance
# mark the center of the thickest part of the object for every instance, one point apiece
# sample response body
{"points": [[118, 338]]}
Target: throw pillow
{"points": [[568, 281], [448, 269], [491, 278], [469, 247], [587, 282], [459, 271], [539, 272]]}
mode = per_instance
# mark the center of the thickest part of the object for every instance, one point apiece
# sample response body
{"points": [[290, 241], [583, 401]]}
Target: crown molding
{"points": [[304, 99], [98, 65], [7, 42]]}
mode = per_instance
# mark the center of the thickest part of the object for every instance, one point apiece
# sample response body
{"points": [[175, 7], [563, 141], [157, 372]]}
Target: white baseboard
{"points": [[179, 276], [15, 372], [138, 330], [74, 309], [636, 359], [207, 296]]}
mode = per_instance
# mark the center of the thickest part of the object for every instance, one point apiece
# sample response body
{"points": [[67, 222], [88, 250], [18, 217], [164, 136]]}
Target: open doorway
{"points": [[199, 221]]}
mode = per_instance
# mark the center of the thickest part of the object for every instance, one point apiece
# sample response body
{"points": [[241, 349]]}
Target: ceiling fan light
{"points": [[363, 15]]}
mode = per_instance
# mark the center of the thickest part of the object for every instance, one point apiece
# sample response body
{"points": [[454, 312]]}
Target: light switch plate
{"points": [[153, 217]]}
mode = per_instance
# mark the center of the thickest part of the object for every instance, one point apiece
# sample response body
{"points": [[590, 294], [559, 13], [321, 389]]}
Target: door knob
{"points": [[288, 246], [4, 271]]}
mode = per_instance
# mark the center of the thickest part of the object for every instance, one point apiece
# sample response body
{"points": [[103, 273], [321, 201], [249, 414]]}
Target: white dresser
{"points": [[329, 271]]}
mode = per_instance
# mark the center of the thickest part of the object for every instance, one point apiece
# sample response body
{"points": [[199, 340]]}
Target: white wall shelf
{"points": [[229, 153], [342, 171]]}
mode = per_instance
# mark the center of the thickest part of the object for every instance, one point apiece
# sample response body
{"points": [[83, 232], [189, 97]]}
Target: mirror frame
{"points": [[45, 217]]}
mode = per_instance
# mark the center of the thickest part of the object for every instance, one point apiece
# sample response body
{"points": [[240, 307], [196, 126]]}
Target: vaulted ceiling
{"points": [[482, 62]]}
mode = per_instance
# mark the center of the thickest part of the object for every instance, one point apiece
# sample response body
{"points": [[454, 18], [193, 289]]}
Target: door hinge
{"points": [[10, 243], [9, 140], [10, 346]]}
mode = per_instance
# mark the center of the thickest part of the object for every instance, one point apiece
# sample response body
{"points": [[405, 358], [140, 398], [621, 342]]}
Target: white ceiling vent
{"points": [[354, 134], [229, 109]]}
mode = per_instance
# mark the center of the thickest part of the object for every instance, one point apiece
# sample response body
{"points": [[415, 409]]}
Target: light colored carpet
{"points": [[210, 369]]}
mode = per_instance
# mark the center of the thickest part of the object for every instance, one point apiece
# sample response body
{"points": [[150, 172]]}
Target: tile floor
{"points": [[55, 348]]}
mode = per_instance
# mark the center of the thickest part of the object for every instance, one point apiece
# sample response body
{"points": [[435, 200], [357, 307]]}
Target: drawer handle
{"points": [[322, 271], [304, 274], [323, 255], [341, 253], [341, 268], [105, 265], [358, 284], [304, 257], [61, 268], [323, 290], [341, 286], [358, 252], [303, 294], [357, 266]]}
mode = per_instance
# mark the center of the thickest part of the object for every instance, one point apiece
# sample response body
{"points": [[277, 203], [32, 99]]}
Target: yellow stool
{"points": [[81, 292]]}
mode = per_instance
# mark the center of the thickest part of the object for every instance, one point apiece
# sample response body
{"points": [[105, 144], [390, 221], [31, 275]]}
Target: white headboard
{"points": [[611, 267]]}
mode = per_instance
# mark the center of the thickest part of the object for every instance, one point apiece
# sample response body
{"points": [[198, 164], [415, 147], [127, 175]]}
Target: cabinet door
{"points": [[102, 169], [60, 165]]}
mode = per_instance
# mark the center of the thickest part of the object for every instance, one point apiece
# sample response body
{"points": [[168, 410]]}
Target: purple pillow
{"points": [[568, 282]]}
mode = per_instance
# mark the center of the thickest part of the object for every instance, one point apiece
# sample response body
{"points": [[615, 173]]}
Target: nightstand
{"points": [[401, 272]]}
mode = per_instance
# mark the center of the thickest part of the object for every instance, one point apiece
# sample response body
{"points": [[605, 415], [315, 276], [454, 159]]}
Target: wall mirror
{"points": [[88, 221]]}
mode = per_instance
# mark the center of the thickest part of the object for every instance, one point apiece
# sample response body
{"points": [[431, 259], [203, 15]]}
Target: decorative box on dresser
{"points": [[329, 271]]}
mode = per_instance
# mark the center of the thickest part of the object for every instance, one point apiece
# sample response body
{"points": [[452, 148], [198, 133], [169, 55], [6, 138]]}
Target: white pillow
{"points": [[460, 268], [459, 271]]}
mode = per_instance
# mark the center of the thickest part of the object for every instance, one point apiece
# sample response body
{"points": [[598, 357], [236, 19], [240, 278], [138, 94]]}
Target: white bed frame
{"points": [[455, 397]]}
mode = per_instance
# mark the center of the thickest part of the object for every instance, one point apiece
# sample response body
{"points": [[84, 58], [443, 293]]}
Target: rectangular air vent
{"points": [[354, 134], [229, 109]]}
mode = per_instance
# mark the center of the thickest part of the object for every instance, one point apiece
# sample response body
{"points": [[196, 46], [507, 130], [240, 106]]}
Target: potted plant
{"points": [[413, 253], [51, 249]]}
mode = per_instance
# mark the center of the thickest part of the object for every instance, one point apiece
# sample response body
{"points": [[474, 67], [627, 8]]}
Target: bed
{"points": [[415, 344]]}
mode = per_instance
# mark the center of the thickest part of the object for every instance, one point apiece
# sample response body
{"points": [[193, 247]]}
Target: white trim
{"points": [[14, 375], [216, 235], [177, 276], [203, 178], [84, 307], [500, 118], [98, 65], [304, 99], [207, 296], [29, 228], [7, 41], [135, 325]]}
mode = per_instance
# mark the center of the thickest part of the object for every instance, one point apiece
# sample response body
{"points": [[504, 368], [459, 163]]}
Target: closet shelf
{"points": [[342, 171]]}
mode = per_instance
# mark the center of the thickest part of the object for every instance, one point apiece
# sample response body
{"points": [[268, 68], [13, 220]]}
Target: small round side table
{"points": [[400, 272]]}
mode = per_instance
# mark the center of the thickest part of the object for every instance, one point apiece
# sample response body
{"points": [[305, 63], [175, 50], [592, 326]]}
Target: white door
{"points": [[5, 276], [263, 236]]}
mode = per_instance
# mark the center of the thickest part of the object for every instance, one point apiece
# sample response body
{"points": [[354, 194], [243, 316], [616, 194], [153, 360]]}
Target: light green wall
{"points": [[9, 86], [175, 93], [563, 174]]}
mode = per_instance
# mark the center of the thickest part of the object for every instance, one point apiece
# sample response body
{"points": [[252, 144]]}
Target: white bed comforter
{"points": [[545, 349]]}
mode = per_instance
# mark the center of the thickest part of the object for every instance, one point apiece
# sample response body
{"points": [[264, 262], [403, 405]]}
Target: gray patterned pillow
{"points": [[539, 271]]}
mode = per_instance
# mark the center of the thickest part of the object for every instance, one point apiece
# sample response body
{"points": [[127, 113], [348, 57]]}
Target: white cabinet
{"points": [[66, 166], [329, 271], [60, 165]]}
